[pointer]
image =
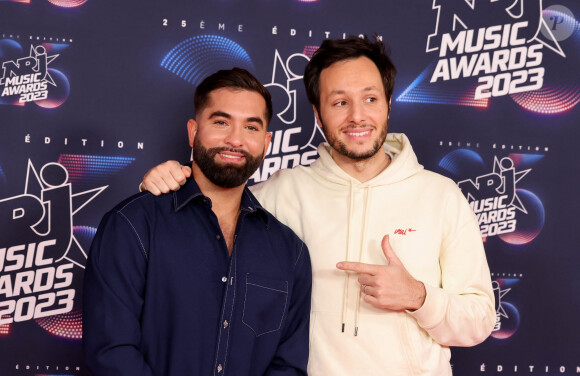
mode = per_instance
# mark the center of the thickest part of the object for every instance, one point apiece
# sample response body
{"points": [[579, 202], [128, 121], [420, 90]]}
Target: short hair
{"points": [[237, 79], [334, 50]]}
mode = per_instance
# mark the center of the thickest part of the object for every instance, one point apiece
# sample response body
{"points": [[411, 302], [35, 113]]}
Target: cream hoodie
{"points": [[432, 230]]}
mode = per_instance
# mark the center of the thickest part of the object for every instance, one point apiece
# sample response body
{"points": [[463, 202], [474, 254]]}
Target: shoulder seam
{"points": [[133, 200], [145, 253]]}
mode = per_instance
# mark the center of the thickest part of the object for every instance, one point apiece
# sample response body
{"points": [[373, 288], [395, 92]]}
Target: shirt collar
{"points": [[190, 192]]}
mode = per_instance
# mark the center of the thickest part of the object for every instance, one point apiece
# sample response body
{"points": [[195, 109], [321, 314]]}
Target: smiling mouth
{"points": [[358, 134], [229, 156]]}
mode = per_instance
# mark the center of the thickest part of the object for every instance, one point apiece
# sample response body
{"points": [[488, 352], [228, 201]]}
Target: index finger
{"points": [[358, 267]]}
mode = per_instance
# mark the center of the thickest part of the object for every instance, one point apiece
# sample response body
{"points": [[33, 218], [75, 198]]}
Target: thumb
{"points": [[388, 251], [186, 170]]}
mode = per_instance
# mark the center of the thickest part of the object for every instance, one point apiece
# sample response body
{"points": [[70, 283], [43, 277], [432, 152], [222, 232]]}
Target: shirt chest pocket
{"points": [[264, 304]]}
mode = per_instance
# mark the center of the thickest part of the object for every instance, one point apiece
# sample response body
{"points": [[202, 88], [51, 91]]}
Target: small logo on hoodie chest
{"points": [[404, 231]]}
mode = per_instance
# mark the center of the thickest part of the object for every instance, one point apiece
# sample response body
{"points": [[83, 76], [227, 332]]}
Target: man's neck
{"points": [[365, 169], [226, 204]]}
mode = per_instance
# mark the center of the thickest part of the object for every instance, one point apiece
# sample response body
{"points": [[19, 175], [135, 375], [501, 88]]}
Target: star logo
{"points": [[501, 181], [45, 212], [499, 294]]}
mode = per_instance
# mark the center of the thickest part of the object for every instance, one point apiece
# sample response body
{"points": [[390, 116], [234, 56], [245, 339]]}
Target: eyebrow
{"points": [[341, 91], [220, 114], [252, 119]]}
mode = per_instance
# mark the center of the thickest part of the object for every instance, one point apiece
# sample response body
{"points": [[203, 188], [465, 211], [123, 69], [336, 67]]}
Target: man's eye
{"points": [[220, 122], [340, 103], [371, 99]]}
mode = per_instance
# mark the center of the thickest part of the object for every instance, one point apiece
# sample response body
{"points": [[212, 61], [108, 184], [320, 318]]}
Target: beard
{"points": [[224, 175], [342, 149]]}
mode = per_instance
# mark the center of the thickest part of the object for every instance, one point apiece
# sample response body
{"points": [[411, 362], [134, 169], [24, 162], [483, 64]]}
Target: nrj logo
{"points": [[29, 78], [493, 198], [503, 208], [40, 256], [494, 48], [506, 55]]}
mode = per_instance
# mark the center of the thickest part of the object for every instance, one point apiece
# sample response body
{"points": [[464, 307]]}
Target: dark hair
{"points": [[334, 50], [236, 78]]}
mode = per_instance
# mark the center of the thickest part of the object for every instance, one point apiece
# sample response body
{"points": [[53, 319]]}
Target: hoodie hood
{"points": [[403, 163]]}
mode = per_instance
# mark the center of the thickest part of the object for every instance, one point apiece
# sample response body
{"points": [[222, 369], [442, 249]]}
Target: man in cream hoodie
{"points": [[399, 268]]}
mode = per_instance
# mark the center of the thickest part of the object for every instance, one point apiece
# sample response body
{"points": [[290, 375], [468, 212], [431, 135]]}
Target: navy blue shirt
{"points": [[163, 297]]}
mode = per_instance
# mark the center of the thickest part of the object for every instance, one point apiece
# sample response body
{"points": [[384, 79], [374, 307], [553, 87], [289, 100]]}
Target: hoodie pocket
{"points": [[264, 304]]}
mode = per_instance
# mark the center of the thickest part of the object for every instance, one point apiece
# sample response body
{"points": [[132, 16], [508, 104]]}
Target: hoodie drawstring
{"points": [[346, 275], [361, 246], [362, 243]]}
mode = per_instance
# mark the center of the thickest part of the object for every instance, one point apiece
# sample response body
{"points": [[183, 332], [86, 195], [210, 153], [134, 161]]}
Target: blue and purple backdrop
{"points": [[93, 93]]}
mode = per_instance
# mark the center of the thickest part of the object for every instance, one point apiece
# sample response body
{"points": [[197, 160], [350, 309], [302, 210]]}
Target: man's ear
{"points": [[191, 130], [317, 115]]}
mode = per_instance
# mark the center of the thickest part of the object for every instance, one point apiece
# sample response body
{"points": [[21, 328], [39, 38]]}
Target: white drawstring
{"points": [[346, 274], [361, 247]]}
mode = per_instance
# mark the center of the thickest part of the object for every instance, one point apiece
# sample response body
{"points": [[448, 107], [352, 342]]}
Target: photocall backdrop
{"points": [[94, 93]]}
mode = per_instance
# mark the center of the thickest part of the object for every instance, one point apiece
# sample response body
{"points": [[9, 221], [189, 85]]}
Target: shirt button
{"points": [[219, 368], [218, 237], [224, 279], [226, 324]]}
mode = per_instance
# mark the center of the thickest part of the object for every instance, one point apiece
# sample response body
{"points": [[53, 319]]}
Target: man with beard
{"points": [[399, 268], [203, 281]]}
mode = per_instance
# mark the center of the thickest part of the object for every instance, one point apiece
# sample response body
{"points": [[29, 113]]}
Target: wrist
{"points": [[419, 295]]}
